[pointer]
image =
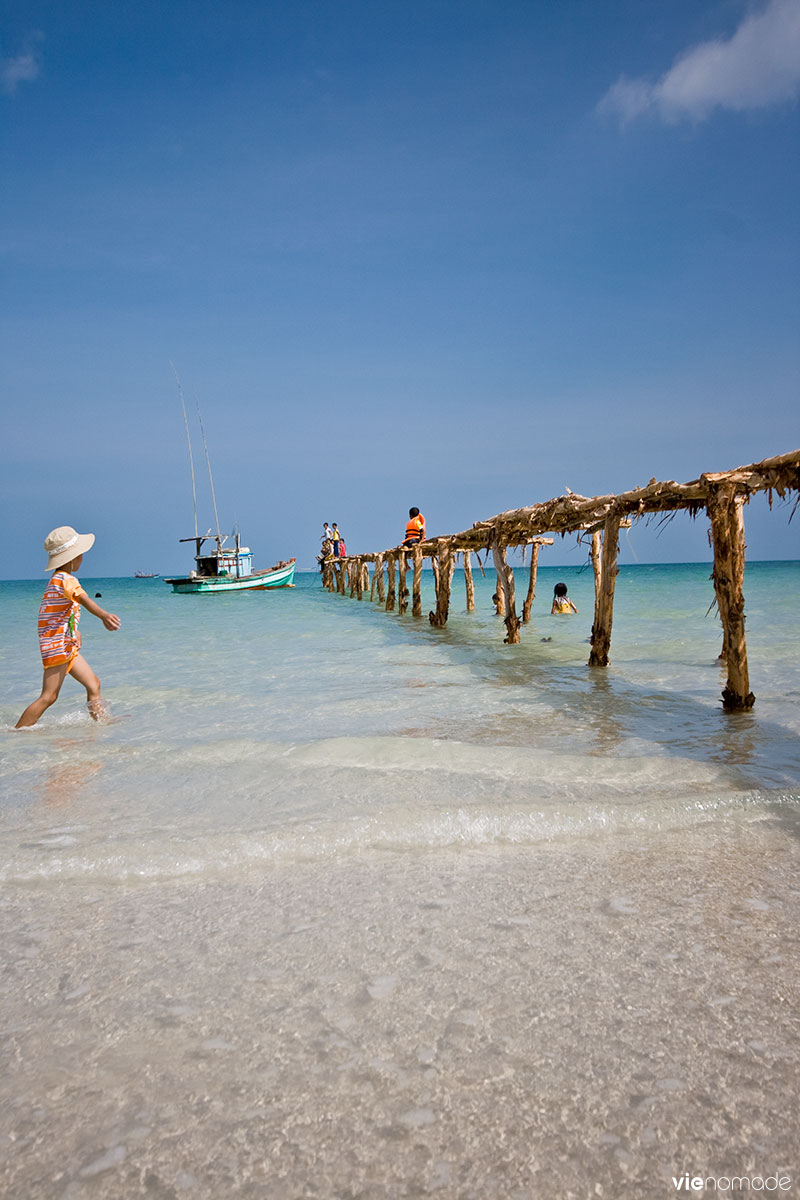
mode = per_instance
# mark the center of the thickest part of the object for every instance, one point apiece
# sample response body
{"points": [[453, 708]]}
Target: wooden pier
{"points": [[598, 519]]}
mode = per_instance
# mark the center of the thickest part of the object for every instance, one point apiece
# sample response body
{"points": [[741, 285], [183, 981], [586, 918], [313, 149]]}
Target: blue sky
{"points": [[455, 254]]}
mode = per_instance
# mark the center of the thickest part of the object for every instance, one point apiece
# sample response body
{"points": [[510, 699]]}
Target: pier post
{"points": [[390, 592], [358, 578], [727, 540], [528, 605], [379, 576], [340, 578], [469, 582], [416, 600], [352, 576], [373, 582], [506, 591], [597, 561], [446, 565], [604, 600], [402, 590], [499, 591], [364, 576]]}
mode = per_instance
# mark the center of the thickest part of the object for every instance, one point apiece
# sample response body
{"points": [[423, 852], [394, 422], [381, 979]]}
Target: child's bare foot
{"points": [[97, 710]]}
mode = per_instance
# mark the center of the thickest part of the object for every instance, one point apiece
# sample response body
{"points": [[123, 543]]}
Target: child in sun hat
{"points": [[59, 613]]}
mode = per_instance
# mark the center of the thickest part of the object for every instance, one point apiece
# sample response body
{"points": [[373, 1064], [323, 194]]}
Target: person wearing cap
{"points": [[59, 613]]}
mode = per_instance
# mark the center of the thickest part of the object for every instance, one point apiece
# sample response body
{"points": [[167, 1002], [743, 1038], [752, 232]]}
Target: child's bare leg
{"points": [[84, 674], [51, 686]]}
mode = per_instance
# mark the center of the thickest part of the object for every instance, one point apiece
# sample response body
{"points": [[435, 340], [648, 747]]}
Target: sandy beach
{"points": [[562, 1021]]}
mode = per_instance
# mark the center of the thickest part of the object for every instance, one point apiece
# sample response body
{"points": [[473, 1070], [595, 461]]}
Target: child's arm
{"points": [[109, 619], [574, 609]]}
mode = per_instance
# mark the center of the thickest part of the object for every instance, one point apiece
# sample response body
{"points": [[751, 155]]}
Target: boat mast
{"points": [[210, 476], [191, 458]]}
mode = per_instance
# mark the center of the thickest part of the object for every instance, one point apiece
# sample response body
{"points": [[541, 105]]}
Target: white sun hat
{"points": [[64, 544]]}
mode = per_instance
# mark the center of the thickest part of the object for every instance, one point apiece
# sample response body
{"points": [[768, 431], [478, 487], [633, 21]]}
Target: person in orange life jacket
{"points": [[415, 529]]}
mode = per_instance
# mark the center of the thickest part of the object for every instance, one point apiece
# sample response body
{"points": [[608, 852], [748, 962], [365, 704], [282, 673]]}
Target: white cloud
{"points": [[757, 66], [22, 68]]}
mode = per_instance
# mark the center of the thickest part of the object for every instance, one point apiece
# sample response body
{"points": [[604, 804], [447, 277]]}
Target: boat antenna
{"points": [[210, 476], [189, 443]]}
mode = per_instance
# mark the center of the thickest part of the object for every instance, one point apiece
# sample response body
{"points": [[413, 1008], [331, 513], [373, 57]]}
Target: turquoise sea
{"points": [[342, 905]]}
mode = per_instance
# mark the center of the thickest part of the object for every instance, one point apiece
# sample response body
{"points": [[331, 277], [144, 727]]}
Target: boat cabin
{"points": [[221, 563], [232, 563]]}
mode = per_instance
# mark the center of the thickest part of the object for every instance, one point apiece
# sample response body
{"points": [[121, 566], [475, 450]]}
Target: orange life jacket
{"points": [[415, 529]]}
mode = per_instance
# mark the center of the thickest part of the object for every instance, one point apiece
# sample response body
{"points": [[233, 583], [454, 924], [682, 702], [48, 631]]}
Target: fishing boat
{"points": [[145, 575], [230, 570], [221, 569]]}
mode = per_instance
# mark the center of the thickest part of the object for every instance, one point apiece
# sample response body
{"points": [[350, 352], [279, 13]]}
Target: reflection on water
{"points": [[739, 738], [64, 782], [610, 728]]}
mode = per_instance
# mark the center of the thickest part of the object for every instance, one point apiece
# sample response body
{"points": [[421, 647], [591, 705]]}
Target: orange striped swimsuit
{"points": [[59, 614]]}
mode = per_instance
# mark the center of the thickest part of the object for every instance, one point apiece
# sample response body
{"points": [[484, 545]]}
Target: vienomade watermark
{"points": [[732, 1184]]}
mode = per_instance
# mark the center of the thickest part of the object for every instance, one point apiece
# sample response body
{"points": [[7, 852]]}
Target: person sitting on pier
{"points": [[415, 528], [561, 601]]}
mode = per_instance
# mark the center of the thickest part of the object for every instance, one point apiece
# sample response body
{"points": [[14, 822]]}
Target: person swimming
{"points": [[561, 601]]}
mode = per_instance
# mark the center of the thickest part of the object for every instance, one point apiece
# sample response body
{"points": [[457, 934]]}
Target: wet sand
{"points": [[564, 1020]]}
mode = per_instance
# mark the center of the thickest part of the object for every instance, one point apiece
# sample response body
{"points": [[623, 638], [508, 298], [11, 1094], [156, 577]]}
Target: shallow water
{"points": [[318, 864], [302, 724]]}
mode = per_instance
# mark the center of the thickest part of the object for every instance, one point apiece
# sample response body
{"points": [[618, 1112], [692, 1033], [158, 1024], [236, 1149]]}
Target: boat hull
{"points": [[260, 582]]}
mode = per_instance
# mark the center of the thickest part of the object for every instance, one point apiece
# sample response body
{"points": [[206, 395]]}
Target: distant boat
{"points": [[223, 570], [146, 575], [230, 570]]}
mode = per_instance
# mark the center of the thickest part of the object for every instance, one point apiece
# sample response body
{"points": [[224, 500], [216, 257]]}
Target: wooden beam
{"points": [[500, 594], [391, 594], [468, 580], [402, 590], [528, 605], [416, 601], [506, 592], [446, 566], [379, 576], [727, 540], [597, 562], [604, 603]]}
